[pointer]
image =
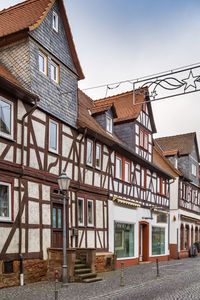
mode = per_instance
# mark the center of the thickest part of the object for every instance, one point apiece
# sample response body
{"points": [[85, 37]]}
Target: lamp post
{"points": [[64, 182]]}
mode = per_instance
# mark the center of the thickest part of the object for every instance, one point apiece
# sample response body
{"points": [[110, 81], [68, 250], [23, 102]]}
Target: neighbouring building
{"points": [[182, 154]]}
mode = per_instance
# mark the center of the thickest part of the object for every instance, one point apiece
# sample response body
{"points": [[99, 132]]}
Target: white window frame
{"points": [[87, 162], [109, 124], [10, 202], [194, 170], [129, 171], [55, 24], [116, 174], [57, 126], [98, 146], [82, 200], [90, 224], [45, 62], [56, 66], [3, 134]]}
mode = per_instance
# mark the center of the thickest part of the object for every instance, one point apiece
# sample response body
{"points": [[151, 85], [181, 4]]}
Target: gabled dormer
{"points": [[182, 150]]}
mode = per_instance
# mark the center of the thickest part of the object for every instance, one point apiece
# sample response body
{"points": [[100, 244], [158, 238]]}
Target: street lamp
{"points": [[64, 182]]}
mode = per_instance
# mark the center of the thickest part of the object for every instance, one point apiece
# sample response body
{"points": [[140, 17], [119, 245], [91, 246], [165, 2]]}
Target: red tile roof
{"points": [[183, 143], [29, 15]]}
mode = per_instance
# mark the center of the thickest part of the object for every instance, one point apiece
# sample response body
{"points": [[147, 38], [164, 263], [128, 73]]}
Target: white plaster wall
{"points": [[55, 169], [46, 214], [46, 241], [45, 192], [34, 240], [91, 239], [33, 159], [9, 155], [33, 190], [134, 216], [4, 232], [14, 244], [67, 143], [21, 110], [2, 147], [39, 130], [97, 179], [88, 177], [105, 162], [66, 129], [40, 115], [16, 203], [174, 194], [99, 214], [33, 211]]}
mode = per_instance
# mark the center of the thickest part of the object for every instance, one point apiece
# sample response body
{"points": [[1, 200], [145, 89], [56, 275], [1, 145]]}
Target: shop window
{"points": [[98, 156], [5, 201], [89, 152], [55, 21], [6, 118], [80, 211], [124, 240], [43, 67], [53, 136], [90, 213], [158, 240]]}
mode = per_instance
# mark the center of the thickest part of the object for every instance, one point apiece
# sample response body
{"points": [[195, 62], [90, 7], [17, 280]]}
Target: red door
{"points": [[57, 222]]}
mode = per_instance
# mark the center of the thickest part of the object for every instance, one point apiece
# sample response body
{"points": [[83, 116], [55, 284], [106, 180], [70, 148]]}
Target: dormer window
{"points": [[55, 21], [109, 125], [54, 72]]}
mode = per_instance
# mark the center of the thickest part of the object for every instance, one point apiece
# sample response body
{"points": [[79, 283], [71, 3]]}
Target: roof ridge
{"points": [[170, 136], [113, 96], [21, 4]]}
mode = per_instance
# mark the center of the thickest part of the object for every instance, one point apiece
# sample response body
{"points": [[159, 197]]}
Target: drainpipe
{"points": [[28, 113]]}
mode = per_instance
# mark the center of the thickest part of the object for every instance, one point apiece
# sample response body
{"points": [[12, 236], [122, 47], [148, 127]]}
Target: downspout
{"points": [[28, 114]]}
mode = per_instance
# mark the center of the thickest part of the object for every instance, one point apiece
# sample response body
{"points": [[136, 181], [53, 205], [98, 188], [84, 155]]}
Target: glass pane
{"points": [[89, 152], [41, 63], [80, 211], [54, 217], [53, 135], [4, 200], [90, 212], [127, 171], [124, 240], [141, 138], [98, 156], [5, 117], [158, 240], [118, 168], [54, 72], [59, 218]]}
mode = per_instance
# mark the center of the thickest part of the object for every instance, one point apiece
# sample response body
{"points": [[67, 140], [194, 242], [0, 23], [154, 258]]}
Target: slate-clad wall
{"points": [[15, 57], [60, 99], [54, 42], [193, 159], [183, 165], [125, 131]]}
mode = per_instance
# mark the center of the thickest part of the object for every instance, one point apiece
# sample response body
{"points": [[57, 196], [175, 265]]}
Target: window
{"points": [[80, 211], [98, 156], [109, 123], [143, 139], [89, 152], [158, 240], [118, 170], [124, 240], [5, 201], [194, 170], [143, 178], [6, 118], [53, 136], [43, 63], [55, 21], [161, 186], [127, 172], [90, 213], [54, 72]]}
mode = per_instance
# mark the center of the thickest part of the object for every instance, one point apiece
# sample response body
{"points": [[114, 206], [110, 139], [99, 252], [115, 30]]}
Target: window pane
{"points": [[5, 117], [118, 168], [158, 184], [158, 240], [127, 171], [80, 211], [54, 217], [98, 156], [89, 152], [4, 201], [146, 141], [141, 138], [124, 240], [59, 218], [42, 63], [90, 212], [53, 135], [54, 72], [109, 124]]}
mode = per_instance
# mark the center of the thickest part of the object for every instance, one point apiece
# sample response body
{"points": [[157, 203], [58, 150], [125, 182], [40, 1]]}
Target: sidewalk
{"points": [[133, 276]]}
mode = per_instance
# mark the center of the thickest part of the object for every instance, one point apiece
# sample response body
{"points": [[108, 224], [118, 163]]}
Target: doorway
{"points": [[143, 241], [57, 224]]}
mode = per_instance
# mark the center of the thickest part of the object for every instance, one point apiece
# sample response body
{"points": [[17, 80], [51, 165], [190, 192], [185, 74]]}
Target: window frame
{"points": [[100, 152], [92, 153], [10, 202], [56, 66], [126, 161], [11, 135], [142, 139], [109, 120], [57, 133], [194, 166], [43, 55], [90, 224], [83, 200], [55, 24], [117, 157], [145, 178]]}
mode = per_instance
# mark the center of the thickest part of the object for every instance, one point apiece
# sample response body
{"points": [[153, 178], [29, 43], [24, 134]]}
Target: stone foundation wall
{"points": [[173, 251], [104, 262], [183, 254]]}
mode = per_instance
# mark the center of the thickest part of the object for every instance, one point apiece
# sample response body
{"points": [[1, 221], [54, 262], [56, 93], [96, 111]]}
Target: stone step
{"points": [[87, 275], [89, 280], [78, 261], [82, 271], [80, 266]]}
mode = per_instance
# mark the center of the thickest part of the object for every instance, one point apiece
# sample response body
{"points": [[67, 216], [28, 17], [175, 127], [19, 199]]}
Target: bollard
{"points": [[157, 267], [56, 285], [122, 275]]}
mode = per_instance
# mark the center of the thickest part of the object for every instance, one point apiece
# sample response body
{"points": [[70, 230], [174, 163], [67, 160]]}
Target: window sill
{"points": [[6, 221], [53, 152], [7, 138]]}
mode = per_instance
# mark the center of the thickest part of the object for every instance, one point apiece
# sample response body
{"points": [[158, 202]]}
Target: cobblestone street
{"points": [[179, 279]]}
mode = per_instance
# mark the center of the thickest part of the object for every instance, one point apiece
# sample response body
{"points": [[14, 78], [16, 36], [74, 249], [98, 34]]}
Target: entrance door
{"points": [[143, 241], [57, 218]]}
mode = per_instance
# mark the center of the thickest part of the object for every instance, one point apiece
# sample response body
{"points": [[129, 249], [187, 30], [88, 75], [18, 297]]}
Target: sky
{"points": [[120, 40]]}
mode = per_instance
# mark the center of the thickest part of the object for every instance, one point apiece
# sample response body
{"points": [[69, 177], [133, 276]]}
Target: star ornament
{"points": [[190, 81]]}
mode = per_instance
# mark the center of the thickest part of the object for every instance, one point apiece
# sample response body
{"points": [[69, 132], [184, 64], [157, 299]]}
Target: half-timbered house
{"points": [[183, 154]]}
